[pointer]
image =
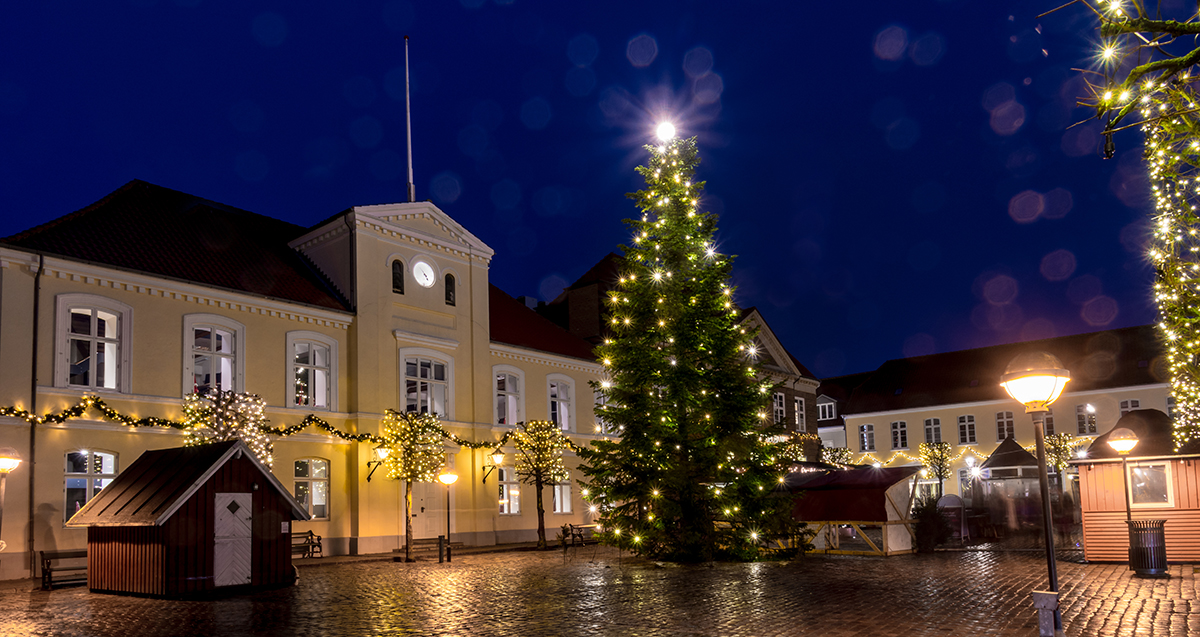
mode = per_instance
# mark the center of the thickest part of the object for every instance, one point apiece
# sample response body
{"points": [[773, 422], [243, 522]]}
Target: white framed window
{"points": [[826, 411], [427, 385], [87, 472], [510, 491], [92, 341], [1049, 422], [312, 371], [562, 496], [1130, 405], [900, 435], [933, 430], [603, 426], [213, 353], [1004, 425], [506, 387], [966, 430], [1150, 485], [778, 407], [1085, 419], [560, 391], [866, 437], [798, 404], [312, 486]]}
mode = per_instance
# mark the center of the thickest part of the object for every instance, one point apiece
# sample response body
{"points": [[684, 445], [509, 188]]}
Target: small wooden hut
{"points": [[858, 511], [1010, 488], [189, 520], [1163, 485]]}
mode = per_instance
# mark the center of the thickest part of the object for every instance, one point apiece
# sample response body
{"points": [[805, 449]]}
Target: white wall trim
{"points": [[1014, 405], [501, 350], [424, 340]]}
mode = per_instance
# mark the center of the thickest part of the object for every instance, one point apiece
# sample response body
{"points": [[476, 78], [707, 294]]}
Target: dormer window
{"points": [[826, 411]]}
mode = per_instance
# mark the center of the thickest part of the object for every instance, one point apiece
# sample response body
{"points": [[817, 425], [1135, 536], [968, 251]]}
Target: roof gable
{"points": [[147, 228], [427, 220], [513, 323], [778, 354], [159, 482]]}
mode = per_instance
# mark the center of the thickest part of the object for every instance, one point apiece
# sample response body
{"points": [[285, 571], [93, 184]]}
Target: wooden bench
{"points": [[306, 544], [63, 567], [423, 545], [579, 533]]}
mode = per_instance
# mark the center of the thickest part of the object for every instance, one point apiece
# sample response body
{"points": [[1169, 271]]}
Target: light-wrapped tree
{"points": [[416, 453], [936, 457], [540, 445], [218, 416], [693, 476]]}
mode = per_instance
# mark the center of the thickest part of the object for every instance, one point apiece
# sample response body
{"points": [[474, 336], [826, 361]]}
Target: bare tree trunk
{"points": [[408, 521], [537, 483]]}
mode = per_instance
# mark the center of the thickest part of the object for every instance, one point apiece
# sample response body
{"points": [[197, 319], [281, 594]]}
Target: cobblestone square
{"points": [[595, 591]]}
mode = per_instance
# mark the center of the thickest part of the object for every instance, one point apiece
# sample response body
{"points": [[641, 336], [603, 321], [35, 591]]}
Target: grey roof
{"points": [[149, 491]]}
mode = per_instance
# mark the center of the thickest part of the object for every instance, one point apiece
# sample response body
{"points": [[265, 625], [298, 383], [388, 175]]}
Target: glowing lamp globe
{"points": [[665, 131], [1122, 440], [498, 458], [1035, 379], [381, 452], [448, 478], [9, 459]]}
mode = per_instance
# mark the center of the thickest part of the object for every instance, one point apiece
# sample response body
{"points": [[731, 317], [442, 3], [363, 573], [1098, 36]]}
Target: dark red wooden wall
{"points": [[126, 559]]}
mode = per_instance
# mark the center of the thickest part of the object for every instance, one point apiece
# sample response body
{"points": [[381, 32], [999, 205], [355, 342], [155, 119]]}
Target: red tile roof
{"points": [[155, 230], [514, 324]]}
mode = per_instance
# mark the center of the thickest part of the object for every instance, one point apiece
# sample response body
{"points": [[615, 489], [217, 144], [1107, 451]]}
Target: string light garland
{"points": [[1144, 63], [695, 473]]}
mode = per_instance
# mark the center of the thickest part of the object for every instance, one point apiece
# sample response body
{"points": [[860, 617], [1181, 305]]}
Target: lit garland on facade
{"points": [[692, 476], [218, 416], [1146, 69]]}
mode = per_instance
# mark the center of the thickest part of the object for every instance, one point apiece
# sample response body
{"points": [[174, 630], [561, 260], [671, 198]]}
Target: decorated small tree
{"points": [[540, 445], [840, 456], [693, 475], [218, 416], [936, 457], [1144, 78], [1060, 450], [415, 454]]}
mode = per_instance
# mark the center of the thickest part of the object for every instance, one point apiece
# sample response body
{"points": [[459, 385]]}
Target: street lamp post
{"points": [[9, 460], [447, 479], [1036, 379], [1123, 441]]}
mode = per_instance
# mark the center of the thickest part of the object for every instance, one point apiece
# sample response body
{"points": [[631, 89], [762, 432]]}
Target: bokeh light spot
{"points": [[919, 345], [445, 188], [1099, 311], [1058, 203], [891, 42], [506, 194], [1058, 265], [580, 81], [536, 113], [1000, 290], [1083, 289], [366, 132], [270, 29], [1025, 206], [927, 50], [583, 49], [998, 95], [641, 51], [697, 62], [386, 165], [708, 89], [1081, 140], [551, 286], [251, 165], [1008, 118]]}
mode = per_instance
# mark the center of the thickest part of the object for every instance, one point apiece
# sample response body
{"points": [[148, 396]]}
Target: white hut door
{"points": [[233, 525]]}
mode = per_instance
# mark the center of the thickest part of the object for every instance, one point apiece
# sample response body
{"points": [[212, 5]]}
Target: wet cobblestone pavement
{"points": [[594, 592]]}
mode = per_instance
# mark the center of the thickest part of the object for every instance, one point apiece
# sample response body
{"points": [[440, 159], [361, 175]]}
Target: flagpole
{"points": [[412, 189]]}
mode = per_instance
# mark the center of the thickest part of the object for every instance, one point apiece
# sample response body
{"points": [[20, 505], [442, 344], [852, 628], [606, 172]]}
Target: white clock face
{"points": [[423, 273]]}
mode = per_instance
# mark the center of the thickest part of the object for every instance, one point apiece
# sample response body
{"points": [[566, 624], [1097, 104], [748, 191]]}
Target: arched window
{"points": [[449, 289], [398, 276], [92, 341]]}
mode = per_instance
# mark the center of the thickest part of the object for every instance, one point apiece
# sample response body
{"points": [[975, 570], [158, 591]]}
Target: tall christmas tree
{"points": [[692, 476]]}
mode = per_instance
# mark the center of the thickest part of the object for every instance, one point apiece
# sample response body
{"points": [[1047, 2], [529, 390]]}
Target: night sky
{"points": [[896, 178]]}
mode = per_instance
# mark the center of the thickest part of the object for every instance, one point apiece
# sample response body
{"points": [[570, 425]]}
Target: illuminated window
{"points": [[1004, 425], [507, 386], [398, 276], [426, 385], [562, 497], [1049, 422], [560, 403], [92, 343], [900, 435], [1150, 485], [450, 291], [826, 411], [1130, 405], [777, 406], [603, 426], [933, 430], [866, 437], [966, 430], [87, 472], [1085, 419], [801, 425], [213, 353], [510, 492], [312, 486], [313, 369]]}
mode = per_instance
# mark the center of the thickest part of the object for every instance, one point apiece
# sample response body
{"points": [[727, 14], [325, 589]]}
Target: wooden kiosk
{"points": [[858, 511]]}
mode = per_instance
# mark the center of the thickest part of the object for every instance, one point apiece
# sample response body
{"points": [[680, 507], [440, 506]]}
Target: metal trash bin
{"points": [[1147, 548]]}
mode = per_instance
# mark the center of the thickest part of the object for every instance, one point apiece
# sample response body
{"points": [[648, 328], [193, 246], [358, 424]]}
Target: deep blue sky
{"points": [[897, 178]]}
